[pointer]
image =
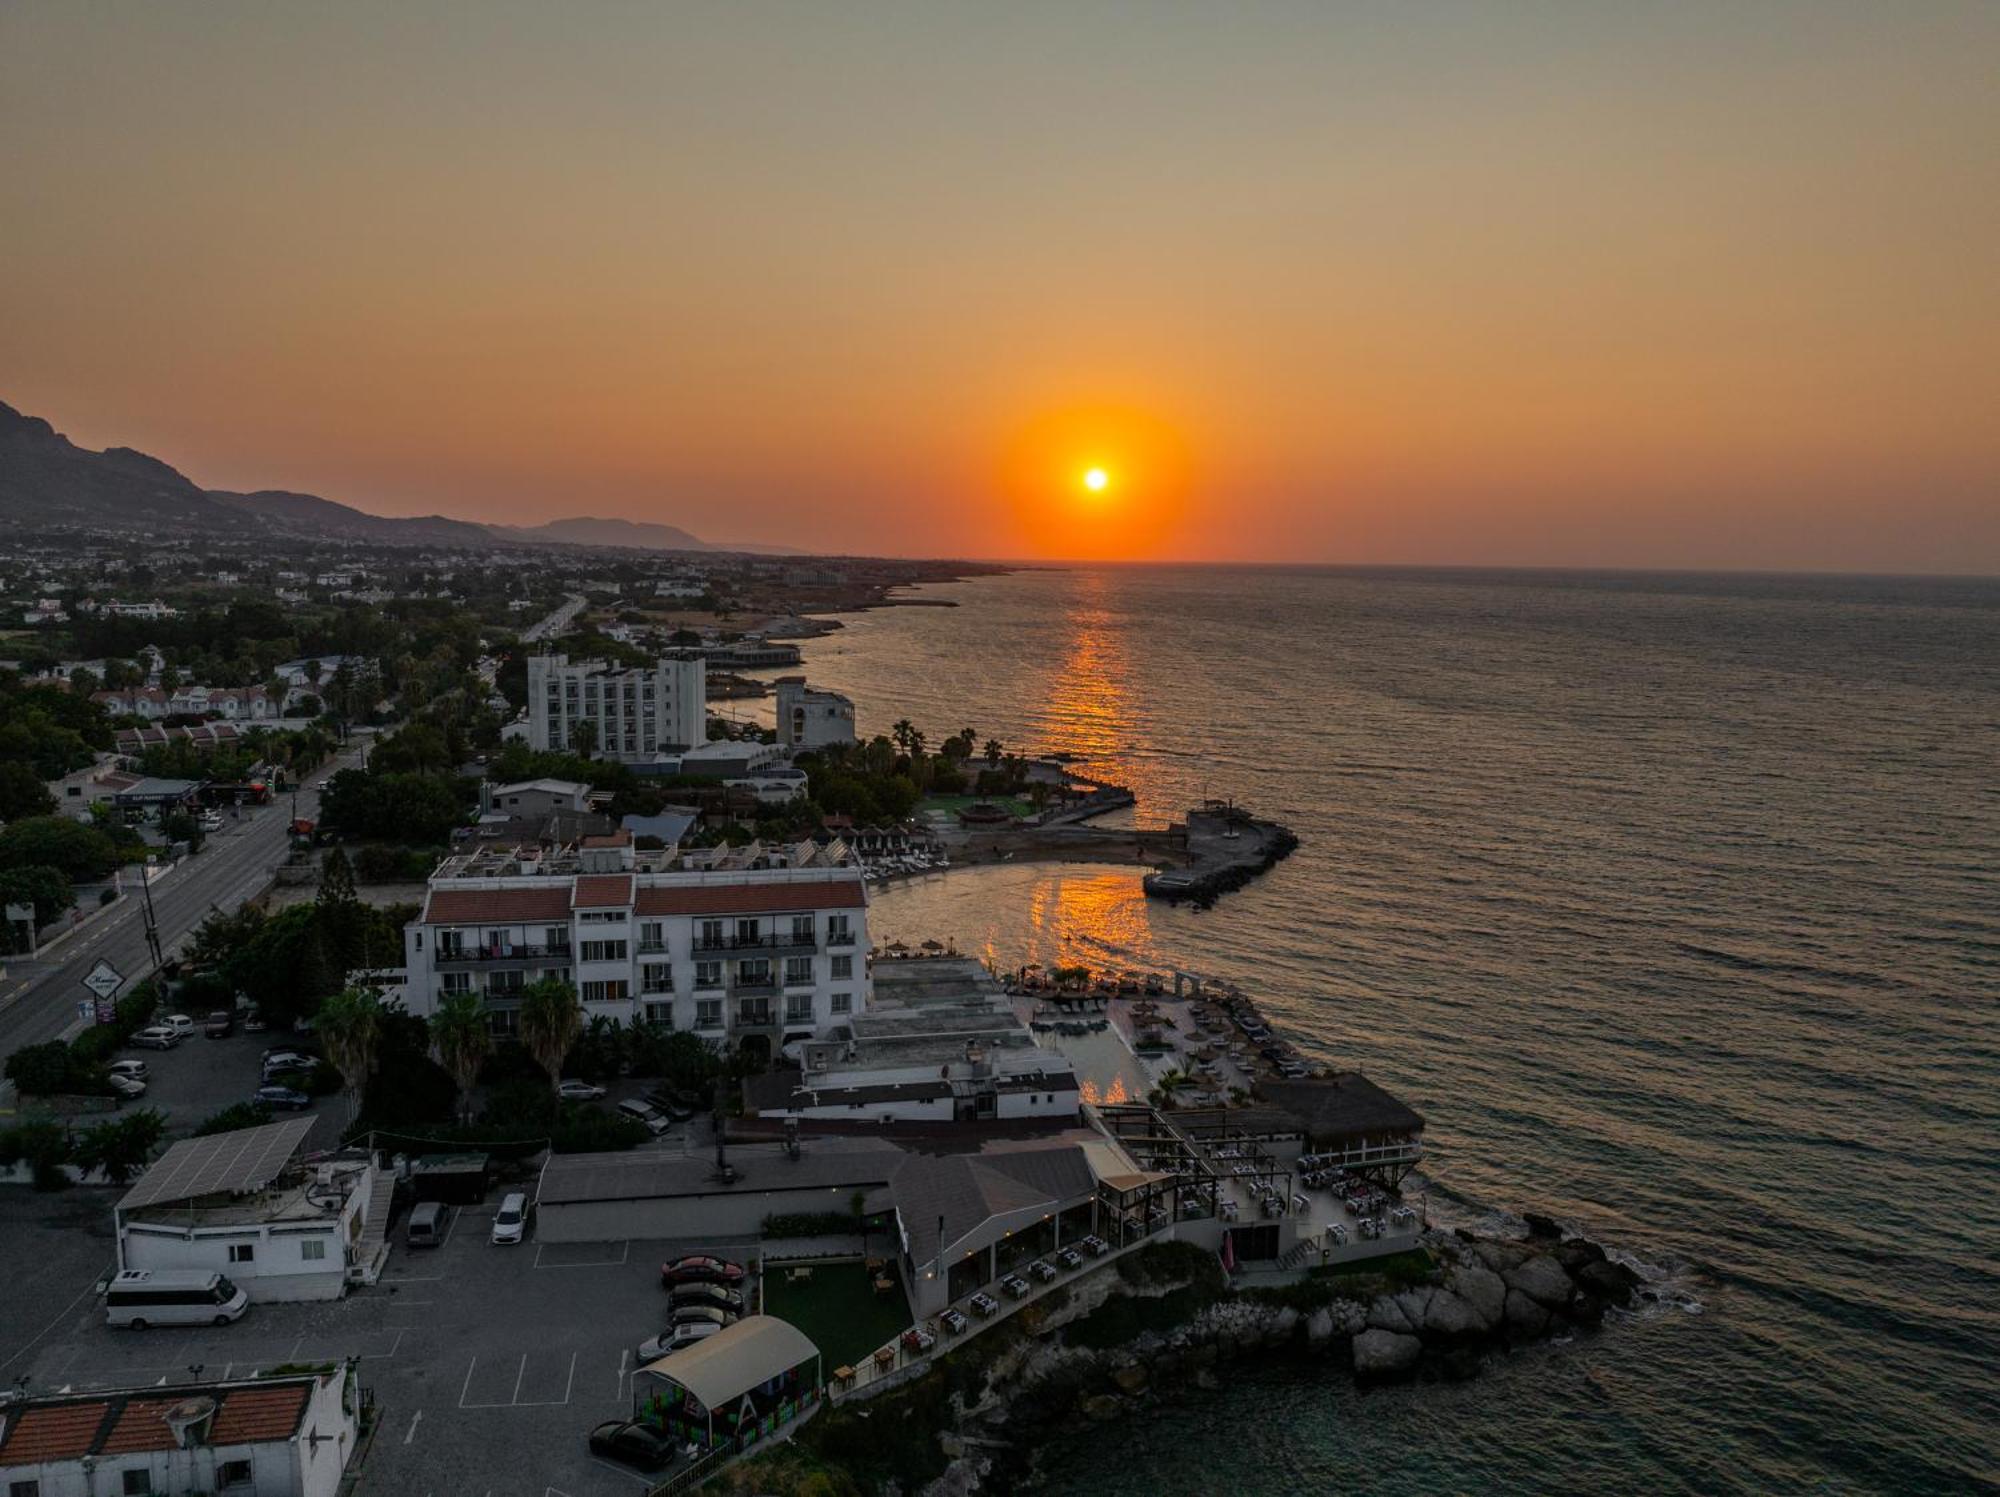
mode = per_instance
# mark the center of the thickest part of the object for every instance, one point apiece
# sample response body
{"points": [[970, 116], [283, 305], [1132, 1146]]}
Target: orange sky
{"points": [[1688, 285]]}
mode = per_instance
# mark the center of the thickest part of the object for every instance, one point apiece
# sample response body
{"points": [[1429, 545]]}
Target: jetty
{"points": [[1225, 847]]}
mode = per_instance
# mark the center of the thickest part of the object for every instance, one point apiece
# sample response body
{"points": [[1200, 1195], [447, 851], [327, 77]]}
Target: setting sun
{"points": [[1097, 480]]}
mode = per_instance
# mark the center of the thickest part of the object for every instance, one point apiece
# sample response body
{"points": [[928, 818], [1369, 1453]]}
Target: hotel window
{"points": [[708, 974], [798, 971], [29, 1488], [656, 977], [242, 1252], [843, 1002], [614, 991], [838, 932], [455, 982], [602, 917], [234, 1474], [136, 1483], [708, 1013], [604, 951], [802, 928], [798, 1008], [556, 937], [709, 936], [753, 974], [660, 1015], [843, 967], [312, 1249], [747, 932], [653, 936]]}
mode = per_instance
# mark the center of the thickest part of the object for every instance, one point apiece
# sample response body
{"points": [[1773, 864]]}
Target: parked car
{"points": [[281, 1096], [253, 1022], [510, 1222], [286, 1060], [675, 1338], [579, 1091], [428, 1225], [712, 1295], [677, 1105], [136, 1069], [631, 1442], [699, 1269], [180, 1024], [643, 1112], [157, 1037], [219, 1024], [681, 1315], [125, 1086], [294, 1054]]}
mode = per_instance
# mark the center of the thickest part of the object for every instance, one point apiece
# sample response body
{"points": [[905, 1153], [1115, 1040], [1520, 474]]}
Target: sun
{"points": [[1097, 480]]}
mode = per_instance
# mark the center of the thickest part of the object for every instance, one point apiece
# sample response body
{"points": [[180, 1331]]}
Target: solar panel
{"points": [[241, 1160]]}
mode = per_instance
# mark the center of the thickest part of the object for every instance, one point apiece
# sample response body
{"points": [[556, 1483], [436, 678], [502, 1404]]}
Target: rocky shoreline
{"points": [[1067, 1366]]}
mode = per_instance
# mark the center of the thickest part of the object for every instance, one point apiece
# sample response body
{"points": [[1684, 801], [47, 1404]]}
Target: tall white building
{"points": [[767, 945], [638, 712], [810, 719]]}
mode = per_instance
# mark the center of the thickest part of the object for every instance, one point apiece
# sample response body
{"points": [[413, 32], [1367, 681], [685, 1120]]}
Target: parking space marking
{"points": [[517, 1378], [413, 1426], [468, 1383], [68, 1310], [414, 1278], [515, 1400], [624, 1257]]}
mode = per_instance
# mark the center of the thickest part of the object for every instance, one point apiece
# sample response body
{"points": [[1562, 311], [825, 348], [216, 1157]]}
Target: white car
{"points": [[510, 1223], [127, 1087], [644, 1112], [674, 1339], [579, 1091], [136, 1069], [157, 1037], [180, 1024]]}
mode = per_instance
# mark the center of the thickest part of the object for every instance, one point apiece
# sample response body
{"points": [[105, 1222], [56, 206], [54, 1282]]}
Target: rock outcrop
{"points": [[1383, 1355]]}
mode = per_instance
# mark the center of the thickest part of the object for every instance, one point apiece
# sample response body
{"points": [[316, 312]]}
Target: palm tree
{"points": [[350, 1027], [993, 753], [903, 732], [551, 1020], [462, 1039]]}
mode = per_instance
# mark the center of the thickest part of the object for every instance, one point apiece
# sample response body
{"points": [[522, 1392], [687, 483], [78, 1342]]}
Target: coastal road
{"points": [[39, 996], [556, 622]]}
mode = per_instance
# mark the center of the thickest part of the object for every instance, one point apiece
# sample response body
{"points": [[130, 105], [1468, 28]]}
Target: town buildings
{"points": [[812, 719], [750, 947], [635, 712]]}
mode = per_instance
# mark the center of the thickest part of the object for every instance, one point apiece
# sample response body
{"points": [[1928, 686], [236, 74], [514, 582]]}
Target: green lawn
{"points": [[952, 804], [838, 1309]]}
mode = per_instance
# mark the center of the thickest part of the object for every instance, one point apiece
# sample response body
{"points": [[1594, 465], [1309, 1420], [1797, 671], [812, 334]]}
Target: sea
{"points": [[1672, 902]]}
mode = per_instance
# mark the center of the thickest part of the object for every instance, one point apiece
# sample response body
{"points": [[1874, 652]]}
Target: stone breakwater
{"points": [[1483, 1295]]}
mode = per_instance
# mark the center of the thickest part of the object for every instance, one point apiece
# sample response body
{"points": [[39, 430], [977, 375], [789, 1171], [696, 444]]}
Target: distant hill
{"points": [[308, 514], [637, 534], [46, 480]]}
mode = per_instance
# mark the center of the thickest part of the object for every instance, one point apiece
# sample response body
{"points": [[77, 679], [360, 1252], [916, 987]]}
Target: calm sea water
{"points": [[1673, 902]]}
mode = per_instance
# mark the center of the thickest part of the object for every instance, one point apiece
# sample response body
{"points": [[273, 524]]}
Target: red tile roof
{"points": [[596, 891], [129, 1423], [751, 899], [253, 1414], [619, 838], [142, 1425], [497, 906], [52, 1434]]}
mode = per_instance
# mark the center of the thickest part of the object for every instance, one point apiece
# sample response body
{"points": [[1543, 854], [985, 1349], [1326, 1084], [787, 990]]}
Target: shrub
{"points": [[812, 1224], [106, 895], [236, 1115]]}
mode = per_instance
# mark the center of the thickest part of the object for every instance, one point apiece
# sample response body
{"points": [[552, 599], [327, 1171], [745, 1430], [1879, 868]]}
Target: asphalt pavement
{"points": [[39, 996]]}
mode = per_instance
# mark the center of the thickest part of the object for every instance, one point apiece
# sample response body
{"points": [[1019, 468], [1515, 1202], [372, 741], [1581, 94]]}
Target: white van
{"points": [[510, 1223], [140, 1297]]}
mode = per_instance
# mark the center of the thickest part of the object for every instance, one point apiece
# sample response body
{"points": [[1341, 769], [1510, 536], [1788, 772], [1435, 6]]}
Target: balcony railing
{"points": [[760, 986], [755, 1016], [783, 941], [840, 938], [523, 952]]}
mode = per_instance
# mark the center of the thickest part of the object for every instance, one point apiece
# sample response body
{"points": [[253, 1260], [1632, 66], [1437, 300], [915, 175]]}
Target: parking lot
{"points": [[200, 1076], [489, 1364]]}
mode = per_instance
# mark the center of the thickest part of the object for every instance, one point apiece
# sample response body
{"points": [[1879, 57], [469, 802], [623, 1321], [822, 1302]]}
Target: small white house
{"points": [[236, 1203], [271, 1436]]}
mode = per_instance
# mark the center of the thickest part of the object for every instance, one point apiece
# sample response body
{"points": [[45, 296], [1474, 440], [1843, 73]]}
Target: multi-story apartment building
{"points": [[637, 712], [734, 952], [811, 719]]}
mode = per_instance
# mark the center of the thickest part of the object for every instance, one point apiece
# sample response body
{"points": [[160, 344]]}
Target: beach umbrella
{"points": [[933, 945], [897, 946]]}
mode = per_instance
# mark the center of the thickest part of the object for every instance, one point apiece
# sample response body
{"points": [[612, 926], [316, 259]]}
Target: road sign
{"points": [[104, 980]]}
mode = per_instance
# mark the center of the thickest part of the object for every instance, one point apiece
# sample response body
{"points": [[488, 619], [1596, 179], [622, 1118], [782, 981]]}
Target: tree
{"points": [[170, 680], [45, 1070], [583, 737], [902, 732], [181, 827], [462, 1039], [23, 793], [993, 753], [349, 1025], [78, 852], [44, 888], [120, 1148], [551, 1019]]}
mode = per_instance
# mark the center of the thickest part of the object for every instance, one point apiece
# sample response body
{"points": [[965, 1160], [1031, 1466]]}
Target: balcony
{"points": [[755, 987], [785, 942], [470, 956], [755, 1015], [840, 938]]}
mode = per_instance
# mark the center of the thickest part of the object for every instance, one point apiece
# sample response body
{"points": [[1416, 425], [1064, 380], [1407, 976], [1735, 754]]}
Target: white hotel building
{"points": [[755, 956], [637, 711]]}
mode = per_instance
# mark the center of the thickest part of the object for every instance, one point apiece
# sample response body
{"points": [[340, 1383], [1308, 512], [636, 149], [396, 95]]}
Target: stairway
{"points": [[371, 1252]]}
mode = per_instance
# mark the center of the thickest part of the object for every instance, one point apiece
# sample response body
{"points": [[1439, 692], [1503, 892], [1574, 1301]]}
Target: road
{"points": [[39, 997], [556, 622]]}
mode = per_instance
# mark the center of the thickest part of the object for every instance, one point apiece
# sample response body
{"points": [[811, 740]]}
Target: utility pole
{"points": [[152, 924]]}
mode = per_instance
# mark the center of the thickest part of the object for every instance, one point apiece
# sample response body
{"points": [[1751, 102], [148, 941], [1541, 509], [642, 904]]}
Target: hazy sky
{"points": [[1672, 284]]}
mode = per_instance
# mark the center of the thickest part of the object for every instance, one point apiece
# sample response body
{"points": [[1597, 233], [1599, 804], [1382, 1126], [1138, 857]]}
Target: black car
{"points": [[631, 1442]]}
